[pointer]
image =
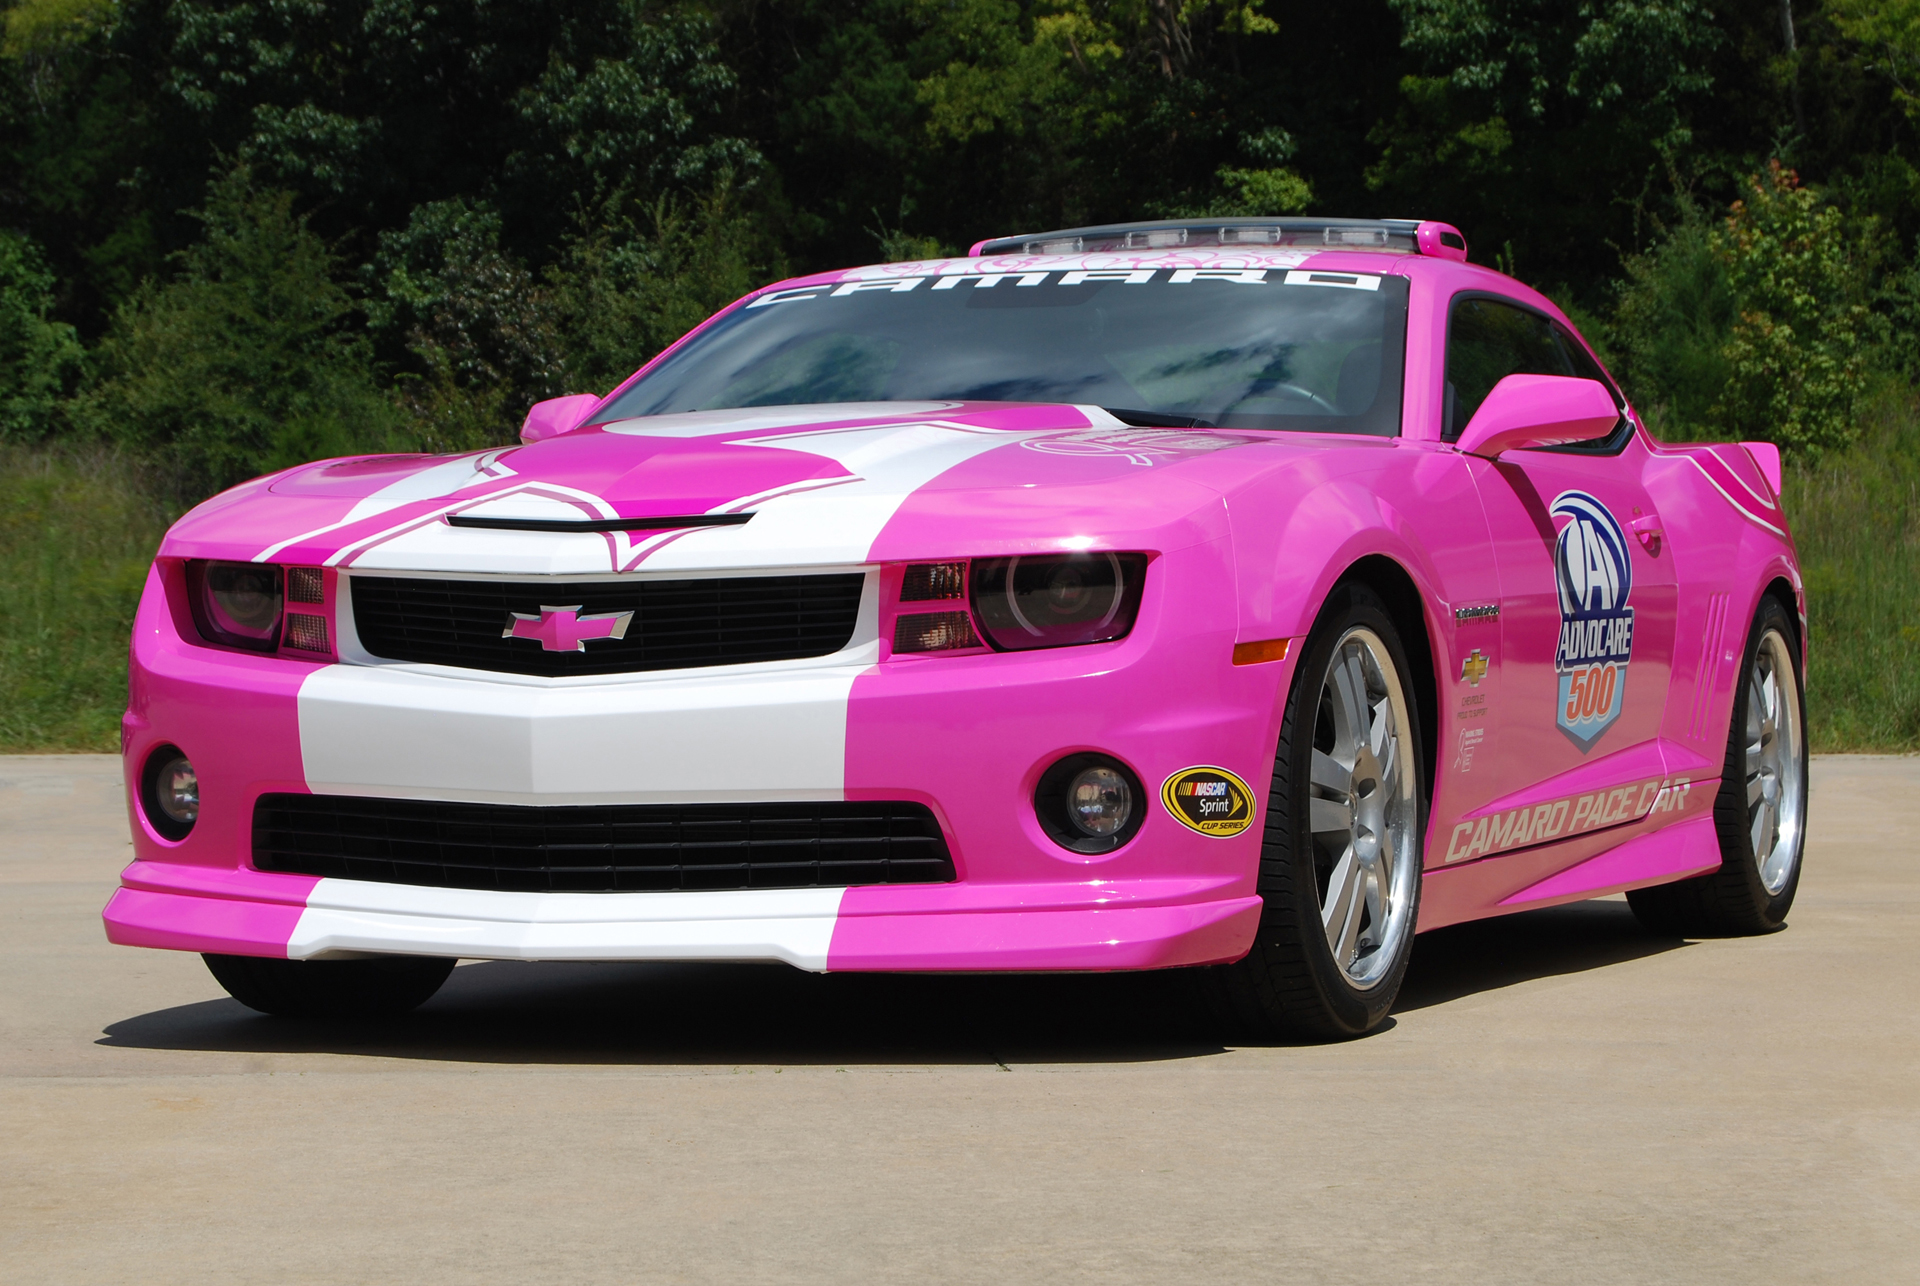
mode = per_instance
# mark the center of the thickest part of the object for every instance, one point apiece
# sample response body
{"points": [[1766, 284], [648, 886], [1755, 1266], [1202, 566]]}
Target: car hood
{"points": [[825, 486]]}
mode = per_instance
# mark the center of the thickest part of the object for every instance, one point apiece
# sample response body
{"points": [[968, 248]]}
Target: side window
{"points": [[1488, 340], [1584, 366]]}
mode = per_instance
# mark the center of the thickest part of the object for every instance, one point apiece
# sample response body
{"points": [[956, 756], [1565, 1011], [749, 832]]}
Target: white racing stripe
{"points": [[813, 521], [790, 925], [818, 521], [430, 483], [838, 524], [706, 424]]}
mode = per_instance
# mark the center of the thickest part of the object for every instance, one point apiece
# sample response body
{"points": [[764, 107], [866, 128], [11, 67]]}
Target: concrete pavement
{"points": [[1560, 1097]]}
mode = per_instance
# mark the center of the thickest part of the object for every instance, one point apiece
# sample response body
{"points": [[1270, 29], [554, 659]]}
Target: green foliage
{"points": [[493, 338], [115, 111], [1255, 193], [637, 276], [1271, 189], [443, 213], [42, 27], [40, 359], [1545, 119], [78, 528], [1856, 523], [473, 316], [1890, 30], [1669, 331], [250, 360], [1758, 328], [1797, 355]]}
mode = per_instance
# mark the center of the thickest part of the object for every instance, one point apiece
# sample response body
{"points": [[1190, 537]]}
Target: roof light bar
{"points": [[1408, 236]]}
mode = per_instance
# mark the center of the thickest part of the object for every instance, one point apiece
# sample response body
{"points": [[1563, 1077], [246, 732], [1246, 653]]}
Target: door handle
{"points": [[1649, 531]]}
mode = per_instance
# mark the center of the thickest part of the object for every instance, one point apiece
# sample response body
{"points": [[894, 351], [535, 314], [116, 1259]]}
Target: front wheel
{"points": [[1760, 812], [1341, 853], [378, 988]]}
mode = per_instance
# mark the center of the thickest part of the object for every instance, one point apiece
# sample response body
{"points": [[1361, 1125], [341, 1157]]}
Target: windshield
{"points": [[1253, 348]]}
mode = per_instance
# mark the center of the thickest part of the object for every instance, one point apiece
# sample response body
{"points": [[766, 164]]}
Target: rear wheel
{"points": [[1340, 860], [330, 988], [1760, 811]]}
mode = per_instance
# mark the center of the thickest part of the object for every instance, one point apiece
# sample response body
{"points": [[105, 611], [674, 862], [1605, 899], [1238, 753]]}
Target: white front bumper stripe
{"points": [[791, 925]]}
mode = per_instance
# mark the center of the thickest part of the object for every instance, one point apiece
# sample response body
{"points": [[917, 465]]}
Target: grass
{"points": [[78, 528], [1856, 522], [77, 532]]}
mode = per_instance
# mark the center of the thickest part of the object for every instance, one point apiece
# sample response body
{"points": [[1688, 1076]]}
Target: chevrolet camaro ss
{"points": [[1240, 595]]}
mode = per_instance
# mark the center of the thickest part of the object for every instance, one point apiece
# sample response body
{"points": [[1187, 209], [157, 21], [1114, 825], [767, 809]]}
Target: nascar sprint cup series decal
{"points": [[1595, 575], [1210, 800]]}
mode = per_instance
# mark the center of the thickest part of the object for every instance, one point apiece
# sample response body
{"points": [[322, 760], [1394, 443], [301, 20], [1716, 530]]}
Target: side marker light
{"points": [[1257, 653]]}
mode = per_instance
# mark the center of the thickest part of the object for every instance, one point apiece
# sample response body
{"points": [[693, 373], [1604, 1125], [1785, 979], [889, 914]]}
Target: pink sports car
{"points": [[1244, 595]]}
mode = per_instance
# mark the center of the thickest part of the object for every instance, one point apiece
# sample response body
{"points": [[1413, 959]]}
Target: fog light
{"points": [[179, 792], [1089, 803], [1099, 801], [170, 791]]}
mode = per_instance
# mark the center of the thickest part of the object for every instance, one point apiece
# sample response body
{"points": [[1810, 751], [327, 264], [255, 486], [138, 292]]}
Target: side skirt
{"points": [[1552, 875]]}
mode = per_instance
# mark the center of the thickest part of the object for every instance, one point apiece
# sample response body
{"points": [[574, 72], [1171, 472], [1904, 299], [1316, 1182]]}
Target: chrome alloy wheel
{"points": [[1363, 810], [1775, 763]]}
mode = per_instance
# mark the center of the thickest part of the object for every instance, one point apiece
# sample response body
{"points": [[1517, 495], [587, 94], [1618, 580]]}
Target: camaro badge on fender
{"points": [[1594, 571], [1210, 800]]}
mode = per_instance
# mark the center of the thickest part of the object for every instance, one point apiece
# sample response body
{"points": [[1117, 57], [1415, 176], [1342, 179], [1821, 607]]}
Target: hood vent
{"points": [[599, 524]]}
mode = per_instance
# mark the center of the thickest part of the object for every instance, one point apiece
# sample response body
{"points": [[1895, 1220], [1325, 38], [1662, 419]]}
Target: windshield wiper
{"points": [[1155, 420]]}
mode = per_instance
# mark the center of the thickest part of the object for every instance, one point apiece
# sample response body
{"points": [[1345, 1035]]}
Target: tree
{"points": [[251, 359], [1540, 123], [40, 359], [1798, 352]]}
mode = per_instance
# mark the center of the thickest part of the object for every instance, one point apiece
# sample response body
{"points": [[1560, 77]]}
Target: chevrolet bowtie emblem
{"points": [[563, 629], [1474, 668]]}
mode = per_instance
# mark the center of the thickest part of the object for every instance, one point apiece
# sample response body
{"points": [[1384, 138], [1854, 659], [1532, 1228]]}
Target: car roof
{"points": [[1383, 246]]}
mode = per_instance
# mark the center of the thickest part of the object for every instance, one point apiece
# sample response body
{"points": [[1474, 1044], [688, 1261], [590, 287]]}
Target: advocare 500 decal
{"points": [[1210, 800], [1595, 575]]}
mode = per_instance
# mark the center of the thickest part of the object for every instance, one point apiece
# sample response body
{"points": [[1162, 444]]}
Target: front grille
{"points": [[675, 623], [600, 848]]}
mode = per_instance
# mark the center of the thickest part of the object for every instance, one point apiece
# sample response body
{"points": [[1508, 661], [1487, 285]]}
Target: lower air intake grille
{"points": [[601, 848], [669, 624]]}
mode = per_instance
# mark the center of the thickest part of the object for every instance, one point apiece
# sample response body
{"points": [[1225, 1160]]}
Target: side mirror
{"points": [[1539, 411], [556, 415]]}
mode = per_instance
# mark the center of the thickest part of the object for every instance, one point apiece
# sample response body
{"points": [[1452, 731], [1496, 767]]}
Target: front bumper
{"points": [[1147, 924], [968, 736]]}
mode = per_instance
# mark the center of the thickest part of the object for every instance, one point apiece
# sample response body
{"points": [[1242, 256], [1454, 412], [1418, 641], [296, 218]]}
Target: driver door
{"points": [[1587, 600]]}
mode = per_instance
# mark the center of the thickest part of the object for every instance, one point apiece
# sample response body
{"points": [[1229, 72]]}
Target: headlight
{"points": [[1057, 600], [170, 792], [237, 603]]}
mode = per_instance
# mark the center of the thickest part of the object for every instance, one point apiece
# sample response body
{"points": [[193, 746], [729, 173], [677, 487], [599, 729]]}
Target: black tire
{"points": [[1288, 986], [1734, 901], [377, 988]]}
